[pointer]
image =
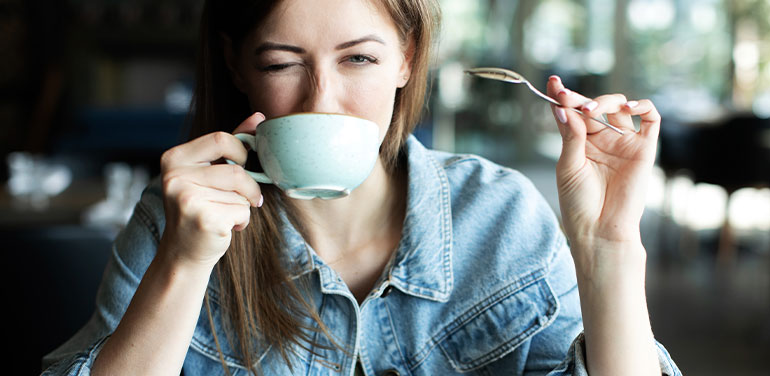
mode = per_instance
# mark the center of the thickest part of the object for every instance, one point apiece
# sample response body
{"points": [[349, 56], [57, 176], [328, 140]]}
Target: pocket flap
{"points": [[499, 324]]}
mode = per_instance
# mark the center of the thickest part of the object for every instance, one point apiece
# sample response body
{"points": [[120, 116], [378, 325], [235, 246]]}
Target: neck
{"points": [[372, 214]]}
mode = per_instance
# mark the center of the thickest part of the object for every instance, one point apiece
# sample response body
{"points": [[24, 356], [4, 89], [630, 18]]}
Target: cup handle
{"points": [[251, 140]]}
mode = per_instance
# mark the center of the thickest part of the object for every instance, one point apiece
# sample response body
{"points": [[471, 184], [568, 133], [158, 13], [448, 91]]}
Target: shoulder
{"points": [[498, 214], [479, 185]]}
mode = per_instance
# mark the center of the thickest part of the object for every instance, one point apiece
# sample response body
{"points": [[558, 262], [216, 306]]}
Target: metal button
{"points": [[387, 291], [391, 372]]}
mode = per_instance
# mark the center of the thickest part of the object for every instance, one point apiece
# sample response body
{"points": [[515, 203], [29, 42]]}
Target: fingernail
{"points": [[632, 104], [561, 115], [261, 201], [259, 116], [565, 91], [556, 78], [590, 106]]}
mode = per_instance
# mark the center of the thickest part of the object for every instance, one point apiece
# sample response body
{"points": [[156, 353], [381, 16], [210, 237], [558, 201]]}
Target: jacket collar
{"points": [[422, 265]]}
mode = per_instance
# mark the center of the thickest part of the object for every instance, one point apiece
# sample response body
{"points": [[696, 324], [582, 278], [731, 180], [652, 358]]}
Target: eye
{"points": [[362, 59], [274, 67]]}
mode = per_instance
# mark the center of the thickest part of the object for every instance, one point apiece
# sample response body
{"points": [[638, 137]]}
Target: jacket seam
{"points": [[456, 160], [210, 353], [143, 214], [474, 311], [505, 347], [395, 336], [90, 356]]}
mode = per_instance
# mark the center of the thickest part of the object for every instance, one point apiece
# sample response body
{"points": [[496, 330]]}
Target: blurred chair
{"points": [[50, 278], [733, 153]]}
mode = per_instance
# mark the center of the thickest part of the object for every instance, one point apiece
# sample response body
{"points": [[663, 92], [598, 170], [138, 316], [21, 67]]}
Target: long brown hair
{"points": [[255, 291]]}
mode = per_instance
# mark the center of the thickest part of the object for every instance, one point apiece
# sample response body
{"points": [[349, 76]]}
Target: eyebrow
{"points": [[270, 46], [368, 38]]}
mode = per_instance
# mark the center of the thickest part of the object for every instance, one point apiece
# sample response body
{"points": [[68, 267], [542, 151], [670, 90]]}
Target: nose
{"points": [[322, 94]]}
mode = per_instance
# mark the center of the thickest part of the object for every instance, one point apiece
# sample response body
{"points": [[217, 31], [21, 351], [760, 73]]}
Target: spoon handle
{"points": [[554, 102], [506, 75], [608, 125]]}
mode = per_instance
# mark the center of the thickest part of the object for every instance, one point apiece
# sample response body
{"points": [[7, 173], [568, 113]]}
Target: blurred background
{"points": [[92, 92]]}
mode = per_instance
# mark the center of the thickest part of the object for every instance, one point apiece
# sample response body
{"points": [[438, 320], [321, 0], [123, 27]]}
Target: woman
{"points": [[437, 264]]}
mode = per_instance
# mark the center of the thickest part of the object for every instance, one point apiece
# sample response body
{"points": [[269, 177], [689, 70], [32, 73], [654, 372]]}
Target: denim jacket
{"points": [[482, 283]]}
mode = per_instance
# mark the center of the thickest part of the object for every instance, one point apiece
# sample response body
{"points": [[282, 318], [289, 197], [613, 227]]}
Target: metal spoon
{"points": [[506, 75]]}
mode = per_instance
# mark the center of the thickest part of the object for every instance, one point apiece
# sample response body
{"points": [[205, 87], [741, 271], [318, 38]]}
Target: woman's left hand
{"points": [[602, 179], [602, 175]]}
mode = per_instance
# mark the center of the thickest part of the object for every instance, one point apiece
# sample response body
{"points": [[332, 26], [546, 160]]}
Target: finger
{"points": [[572, 129], [571, 99], [568, 98], [242, 218], [553, 86], [204, 150], [197, 200], [223, 177], [645, 109], [250, 124], [221, 197], [605, 104], [563, 95], [208, 209], [222, 218], [614, 105]]}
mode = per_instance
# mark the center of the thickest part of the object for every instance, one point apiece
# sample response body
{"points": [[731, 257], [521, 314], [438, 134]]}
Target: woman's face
{"points": [[335, 56]]}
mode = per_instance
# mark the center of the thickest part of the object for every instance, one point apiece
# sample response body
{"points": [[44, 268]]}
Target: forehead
{"points": [[326, 20]]}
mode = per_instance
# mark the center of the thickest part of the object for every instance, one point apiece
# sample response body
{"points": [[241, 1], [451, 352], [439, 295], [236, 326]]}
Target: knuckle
{"points": [[240, 175], [168, 158], [236, 171], [186, 200], [170, 182], [219, 138], [205, 224], [245, 214], [201, 223]]}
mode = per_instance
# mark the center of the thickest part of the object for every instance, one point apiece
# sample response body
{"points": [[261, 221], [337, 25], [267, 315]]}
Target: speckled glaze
{"points": [[313, 155]]}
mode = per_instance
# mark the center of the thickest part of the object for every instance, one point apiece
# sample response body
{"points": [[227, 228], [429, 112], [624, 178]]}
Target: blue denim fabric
{"points": [[482, 283]]}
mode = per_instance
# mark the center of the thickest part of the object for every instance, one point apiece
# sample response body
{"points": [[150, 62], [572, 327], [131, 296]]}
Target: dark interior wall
{"points": [[88, 79], [82, 83]]}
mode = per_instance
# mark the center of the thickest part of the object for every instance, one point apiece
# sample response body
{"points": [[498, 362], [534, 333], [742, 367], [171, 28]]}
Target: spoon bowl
{"points": [[506, 75]]}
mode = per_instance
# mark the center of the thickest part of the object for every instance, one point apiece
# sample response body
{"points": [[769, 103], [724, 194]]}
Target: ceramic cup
{"points": [[314, 155]]}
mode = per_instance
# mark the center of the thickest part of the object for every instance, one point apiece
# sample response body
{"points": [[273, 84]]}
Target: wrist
{"points": [[604, 262], [174, 254], [172, 263]]}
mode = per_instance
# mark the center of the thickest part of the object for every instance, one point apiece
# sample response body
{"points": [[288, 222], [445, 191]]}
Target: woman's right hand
{"points": [[205, 201]]}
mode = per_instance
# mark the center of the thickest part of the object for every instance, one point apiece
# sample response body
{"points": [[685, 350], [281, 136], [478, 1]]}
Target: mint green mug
{"points": [[314, 155]]}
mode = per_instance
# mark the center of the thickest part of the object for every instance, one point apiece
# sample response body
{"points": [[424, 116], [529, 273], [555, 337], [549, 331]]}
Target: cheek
{"points": [[372, 98], [273, 97]]}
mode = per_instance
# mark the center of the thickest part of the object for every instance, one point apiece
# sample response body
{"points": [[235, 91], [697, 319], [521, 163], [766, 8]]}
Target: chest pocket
{"points": [[498, 324]]}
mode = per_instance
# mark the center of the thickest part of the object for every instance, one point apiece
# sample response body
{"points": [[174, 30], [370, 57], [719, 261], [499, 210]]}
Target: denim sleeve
{"points": [[575, 363], [133, 250], [565, 334]]}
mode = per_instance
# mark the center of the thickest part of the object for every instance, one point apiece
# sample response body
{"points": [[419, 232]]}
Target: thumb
{"points": [[250, 124], [571, 127], [573, 136]]}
